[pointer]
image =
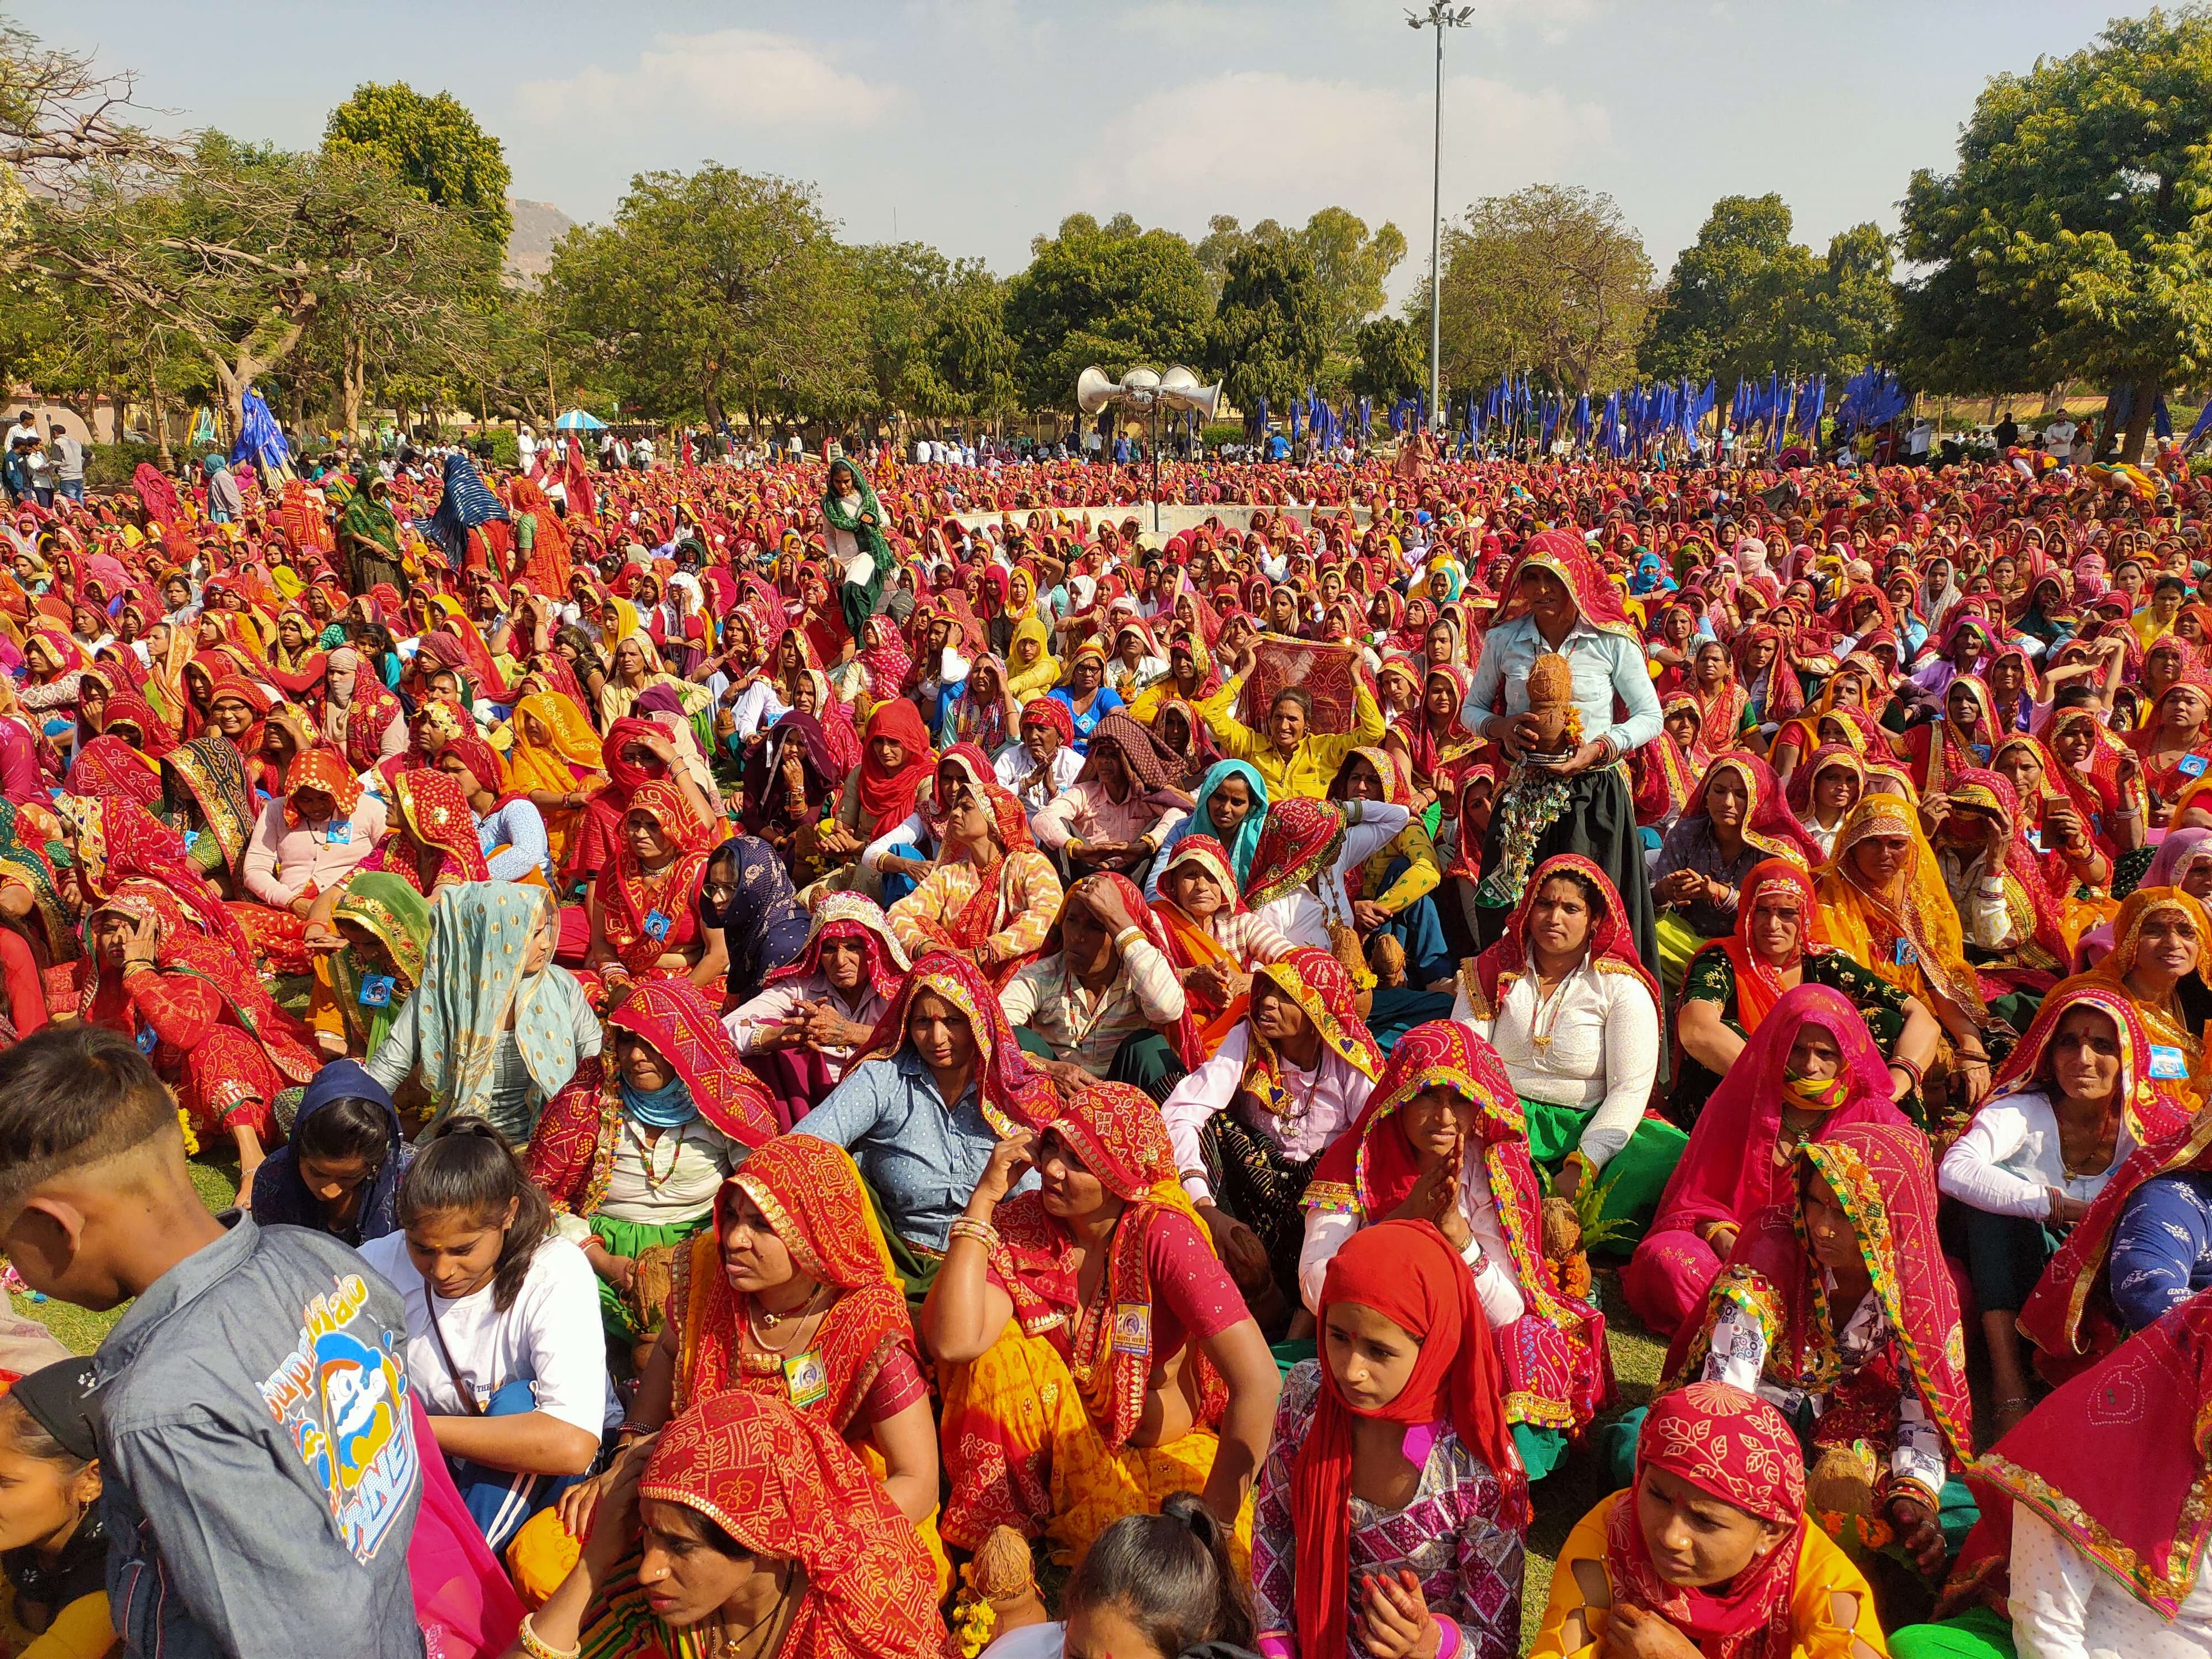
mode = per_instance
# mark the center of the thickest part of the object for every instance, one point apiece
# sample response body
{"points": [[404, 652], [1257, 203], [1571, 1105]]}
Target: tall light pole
{"points": [[1439, 17]]}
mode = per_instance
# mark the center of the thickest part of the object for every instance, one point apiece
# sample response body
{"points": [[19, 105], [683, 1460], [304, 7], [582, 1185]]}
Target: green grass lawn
{"points": [[1570, 1492]]}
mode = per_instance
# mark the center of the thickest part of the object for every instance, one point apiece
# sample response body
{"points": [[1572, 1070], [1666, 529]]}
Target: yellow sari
{"points": [[2164, 1024], [1026, 684], [569, 763], [1912, 938]]}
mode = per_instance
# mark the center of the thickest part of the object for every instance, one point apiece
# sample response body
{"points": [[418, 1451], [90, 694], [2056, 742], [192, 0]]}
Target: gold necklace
{"points": [[762, 1316]]}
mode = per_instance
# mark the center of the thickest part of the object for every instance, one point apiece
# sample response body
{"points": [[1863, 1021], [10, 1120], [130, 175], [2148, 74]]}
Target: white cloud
{"points": [[1262, 145], [727, 78]]}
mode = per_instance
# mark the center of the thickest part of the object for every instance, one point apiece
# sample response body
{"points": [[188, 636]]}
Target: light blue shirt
{"points": [[518, 827], [1605, 667], [922, 1160]]}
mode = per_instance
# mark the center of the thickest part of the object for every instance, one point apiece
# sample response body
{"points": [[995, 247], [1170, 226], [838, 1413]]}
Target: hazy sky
{"points": [[973, 124]]}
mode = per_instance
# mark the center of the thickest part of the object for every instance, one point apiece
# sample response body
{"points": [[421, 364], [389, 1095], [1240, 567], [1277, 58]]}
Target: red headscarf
{"points": [[130, 843], [2153, 1396], [783, 1484], [1768, 823], [1009, 1092], [1405, 1271], [1612, 943], [850, 916], [1728, 1171], [1881, 1175], [108, 765], [1568, 558], [1732, 1446], [888, 797]]}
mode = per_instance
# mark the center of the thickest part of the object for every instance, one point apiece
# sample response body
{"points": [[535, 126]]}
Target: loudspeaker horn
{"points": [[1093, 391]]}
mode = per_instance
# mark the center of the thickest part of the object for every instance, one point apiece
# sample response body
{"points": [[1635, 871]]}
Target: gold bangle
{"points": [[982, 1232], [536, 1647]]}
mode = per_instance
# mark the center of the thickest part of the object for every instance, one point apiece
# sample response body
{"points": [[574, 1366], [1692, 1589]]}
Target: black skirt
{"points": [[1539, 816]]}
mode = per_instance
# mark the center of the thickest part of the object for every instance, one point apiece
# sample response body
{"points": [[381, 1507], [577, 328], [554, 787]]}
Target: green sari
{"points": [[386, 906]]}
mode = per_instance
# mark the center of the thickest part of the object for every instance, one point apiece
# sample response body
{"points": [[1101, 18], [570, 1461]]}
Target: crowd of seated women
{"points": [[911, 1063]]}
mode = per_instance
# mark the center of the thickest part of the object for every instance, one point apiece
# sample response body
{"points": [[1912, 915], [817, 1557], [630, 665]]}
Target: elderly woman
{"points": [[1584, 805], [1248, 1127], [632, 1154], [495, 1030], [1809, 1067], [1709, 1550], [1732, 984], [1107, 1001], [811, 1014], [1442, 1140], [645, 905], [1882, 900], [1122, 806], [1575, 1018], [1158, 1381]]}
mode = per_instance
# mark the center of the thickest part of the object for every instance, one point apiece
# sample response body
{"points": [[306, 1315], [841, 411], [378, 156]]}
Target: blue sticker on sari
{"points": [[656, 924], [2167, 1061], [340, 832], [1902, 954], [146, 1041], [2191, 766], [376, 990]]}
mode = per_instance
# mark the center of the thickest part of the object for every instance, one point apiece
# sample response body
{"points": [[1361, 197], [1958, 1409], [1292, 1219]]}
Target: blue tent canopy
{"points": [[579, 420]]}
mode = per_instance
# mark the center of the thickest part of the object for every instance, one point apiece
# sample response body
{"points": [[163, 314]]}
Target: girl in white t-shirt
{"points": [[504, 1346]]}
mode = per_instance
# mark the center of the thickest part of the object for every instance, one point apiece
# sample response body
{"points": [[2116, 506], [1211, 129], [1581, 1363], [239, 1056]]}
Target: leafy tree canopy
{"points": [[435, 146]]}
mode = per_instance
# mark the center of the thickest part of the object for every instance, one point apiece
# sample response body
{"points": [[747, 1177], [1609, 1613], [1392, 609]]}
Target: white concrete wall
{"points": [[1173, 517]]}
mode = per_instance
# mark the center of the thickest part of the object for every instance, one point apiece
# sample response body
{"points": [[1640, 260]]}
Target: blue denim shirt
{"points": [[922, 1159]]}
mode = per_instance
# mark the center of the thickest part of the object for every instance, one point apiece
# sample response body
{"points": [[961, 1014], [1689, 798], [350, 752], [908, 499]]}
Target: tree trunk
{"points": [[349, 385], [2131, 447], [161, 416]]}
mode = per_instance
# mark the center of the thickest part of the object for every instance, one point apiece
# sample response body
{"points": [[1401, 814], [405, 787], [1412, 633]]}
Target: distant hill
{"points": [[538, 225]]}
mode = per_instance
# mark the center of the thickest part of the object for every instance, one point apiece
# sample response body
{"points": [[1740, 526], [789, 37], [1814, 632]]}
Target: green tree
{"points": [[1351, 269], [903, 287], [1551, 281], [1117, 296], [973, 356], [1730, 303], [2080, 215], [1271, 329], [436, 146], [240, 251], [714, 290], [1393, 358]]}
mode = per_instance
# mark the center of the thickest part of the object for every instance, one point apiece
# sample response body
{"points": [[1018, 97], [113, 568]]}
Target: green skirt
{"points": [[632, 1239], [1977, 1633], [1632, 1182]]}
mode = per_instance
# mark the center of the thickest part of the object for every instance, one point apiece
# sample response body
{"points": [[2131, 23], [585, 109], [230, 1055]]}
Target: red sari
{"points": [[645, 917]]}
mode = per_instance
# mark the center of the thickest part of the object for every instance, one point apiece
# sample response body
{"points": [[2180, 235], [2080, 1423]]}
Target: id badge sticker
{"points": [[1132, 1328], [376, 990], [2191, 766], [191, 839], [1981, 752], [2035, 836], [146, 1040], [2167, 1061], [1901, 953], [341, 832], [806, 1378], [656, 924]]}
